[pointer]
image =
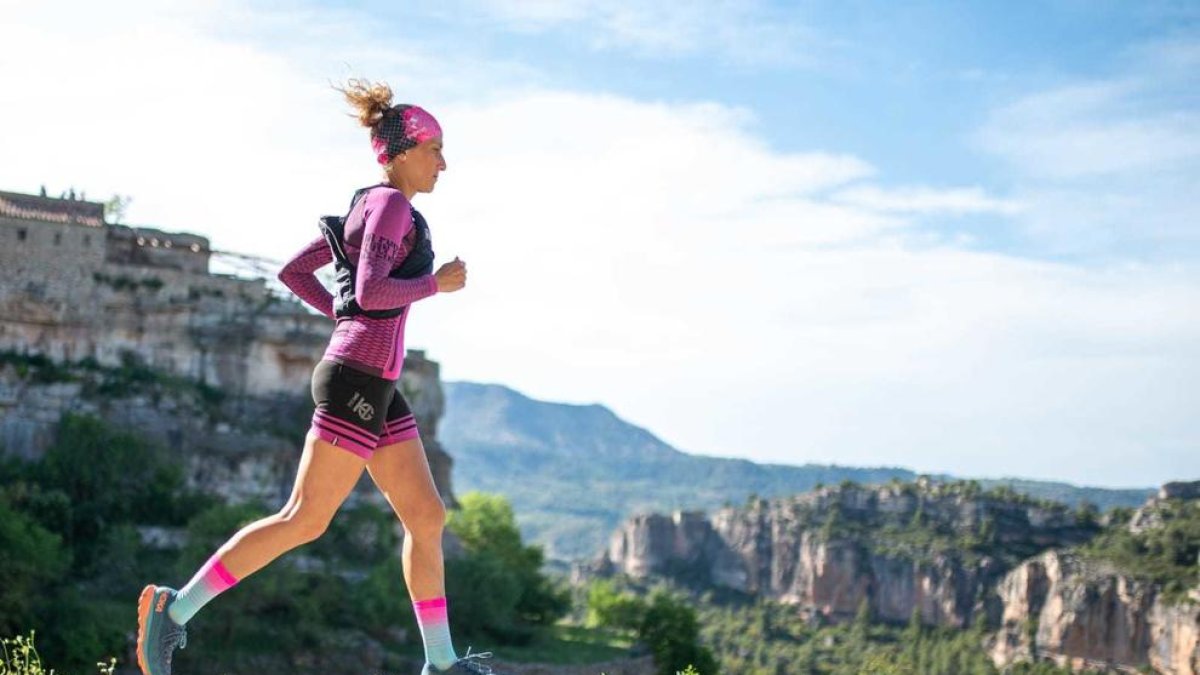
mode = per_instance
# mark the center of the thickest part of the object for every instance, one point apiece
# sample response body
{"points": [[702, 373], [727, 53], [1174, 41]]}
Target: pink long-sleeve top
{"points": [[379, 235]]}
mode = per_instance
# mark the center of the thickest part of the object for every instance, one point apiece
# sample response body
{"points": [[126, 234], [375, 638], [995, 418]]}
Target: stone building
{"points": [[74, 287]]}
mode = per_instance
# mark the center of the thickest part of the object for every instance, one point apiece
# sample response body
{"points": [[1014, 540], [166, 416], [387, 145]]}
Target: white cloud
{"points": [[1092, 129], [660, 258], [918, 200], [1107, 168]]}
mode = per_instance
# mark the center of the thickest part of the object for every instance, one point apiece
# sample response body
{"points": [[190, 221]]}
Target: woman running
{"points": [[383, 259]]}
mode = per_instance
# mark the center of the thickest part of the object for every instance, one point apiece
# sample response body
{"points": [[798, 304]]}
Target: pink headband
{"points": [[401, 128]]}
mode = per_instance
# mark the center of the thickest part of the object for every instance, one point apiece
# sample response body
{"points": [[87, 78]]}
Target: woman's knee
{"points": [[306, 523], [426, 520]]}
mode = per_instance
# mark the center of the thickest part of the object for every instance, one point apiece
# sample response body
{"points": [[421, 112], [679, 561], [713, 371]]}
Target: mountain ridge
{"points": [[575, 471]]}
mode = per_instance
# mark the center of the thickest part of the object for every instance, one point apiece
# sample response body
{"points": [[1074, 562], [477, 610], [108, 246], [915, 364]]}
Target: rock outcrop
{"points": [[1083, 611], [1087, 614], [1056, 606], [421, 383], [930, 546], [240, 448], [1150, 514], [954, 555]]}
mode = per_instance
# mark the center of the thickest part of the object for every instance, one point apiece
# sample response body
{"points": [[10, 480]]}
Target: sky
{"points": [[953, 237]]}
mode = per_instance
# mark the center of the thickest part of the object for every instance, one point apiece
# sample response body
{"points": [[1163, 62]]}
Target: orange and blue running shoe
{"points": [[158, 635]]}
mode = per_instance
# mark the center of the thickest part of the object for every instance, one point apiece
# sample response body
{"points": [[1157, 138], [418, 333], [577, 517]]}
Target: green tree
{"points": [[133, 483], [31, 558], [911, 638], [487, 527], [115, 208], [670, 630], [1088, 514], [610, 608], [861, 628], [484, 593]]}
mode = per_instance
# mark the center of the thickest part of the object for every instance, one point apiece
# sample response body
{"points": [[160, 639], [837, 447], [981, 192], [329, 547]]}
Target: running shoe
{"points": [[465, 665], [158, 634]]}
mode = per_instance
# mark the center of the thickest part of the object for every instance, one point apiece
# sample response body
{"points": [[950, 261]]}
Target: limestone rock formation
{"points": [[931, 546], [1056, 606], [236, 447], [1149, 515], [421, 384], [948, 551], [1085, 612]]}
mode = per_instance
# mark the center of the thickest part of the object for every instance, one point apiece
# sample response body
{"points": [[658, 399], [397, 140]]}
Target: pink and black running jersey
{"points": [[378, 239]]}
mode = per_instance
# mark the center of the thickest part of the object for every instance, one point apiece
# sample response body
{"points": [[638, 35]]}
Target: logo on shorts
{"points": [[359, 405]]}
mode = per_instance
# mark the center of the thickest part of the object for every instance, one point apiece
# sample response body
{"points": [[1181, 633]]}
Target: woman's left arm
{"points": [[388, 221]]}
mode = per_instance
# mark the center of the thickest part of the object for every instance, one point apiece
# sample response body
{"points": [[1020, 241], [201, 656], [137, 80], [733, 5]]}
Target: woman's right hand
{"points": [[451, 277]]}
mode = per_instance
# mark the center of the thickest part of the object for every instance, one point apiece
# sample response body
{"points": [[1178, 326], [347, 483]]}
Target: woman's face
{"points": [[420, 165]]}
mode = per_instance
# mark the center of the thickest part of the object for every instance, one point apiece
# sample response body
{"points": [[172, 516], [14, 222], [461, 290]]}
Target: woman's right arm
{"points": [[297, 274]]}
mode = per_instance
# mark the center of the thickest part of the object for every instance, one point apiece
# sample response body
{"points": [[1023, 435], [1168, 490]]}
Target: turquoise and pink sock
{"points": [[211, 580], [434, 622]]}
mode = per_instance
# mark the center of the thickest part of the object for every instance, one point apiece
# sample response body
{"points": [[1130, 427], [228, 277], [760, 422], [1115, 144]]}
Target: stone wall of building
{"points": [[75, 288], [147, 247]]}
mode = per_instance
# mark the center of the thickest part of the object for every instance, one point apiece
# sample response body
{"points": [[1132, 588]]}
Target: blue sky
{"points": [[903, 83], [914, 87], [956, 237]]}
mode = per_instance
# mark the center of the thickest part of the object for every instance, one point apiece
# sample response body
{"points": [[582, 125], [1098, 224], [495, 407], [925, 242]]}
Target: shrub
{"points": [[610, 608], [670, 630], [488, 530], [30, 558]]}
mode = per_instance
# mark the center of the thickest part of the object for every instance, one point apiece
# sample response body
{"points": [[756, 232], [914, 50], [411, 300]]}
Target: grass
{"points": [[560, 644], [19, 656], [566, 644]]}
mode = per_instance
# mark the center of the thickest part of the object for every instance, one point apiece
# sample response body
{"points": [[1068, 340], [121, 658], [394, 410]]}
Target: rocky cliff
{"points": [[421, 383], [237, 447], [1053, 584], [1097, 608], [926, 545]]}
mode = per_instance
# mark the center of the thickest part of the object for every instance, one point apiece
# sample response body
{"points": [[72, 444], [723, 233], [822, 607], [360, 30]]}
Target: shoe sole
{"points": [[145, 601]]}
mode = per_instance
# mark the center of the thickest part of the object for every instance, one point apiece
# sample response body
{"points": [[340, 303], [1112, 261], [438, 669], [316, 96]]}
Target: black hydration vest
{"points": [[417, 263]]}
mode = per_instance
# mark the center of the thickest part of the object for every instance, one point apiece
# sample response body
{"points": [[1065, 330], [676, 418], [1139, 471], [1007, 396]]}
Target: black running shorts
{"points": [[358, 411]]}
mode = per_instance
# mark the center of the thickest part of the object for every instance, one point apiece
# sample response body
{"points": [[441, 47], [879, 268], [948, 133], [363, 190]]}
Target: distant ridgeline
{"points": [[128, 324], [75, 287], [574, 472]]}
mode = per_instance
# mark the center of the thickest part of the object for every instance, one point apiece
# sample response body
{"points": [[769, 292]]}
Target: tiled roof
{"points": [[51, 209]]}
